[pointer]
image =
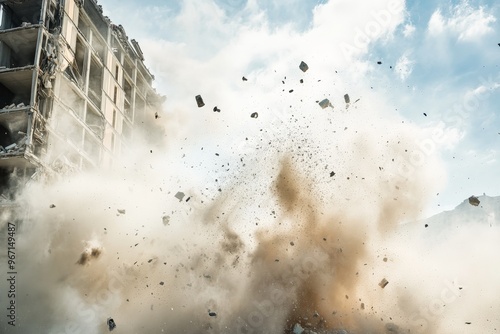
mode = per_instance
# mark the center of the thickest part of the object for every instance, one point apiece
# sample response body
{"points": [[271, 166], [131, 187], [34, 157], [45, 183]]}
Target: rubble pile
{"points": [[16, 147]]}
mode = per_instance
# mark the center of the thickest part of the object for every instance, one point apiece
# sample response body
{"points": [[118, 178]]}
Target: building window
{"points": [[116, 72], [114, 118], [112, 148], [115, 93]]}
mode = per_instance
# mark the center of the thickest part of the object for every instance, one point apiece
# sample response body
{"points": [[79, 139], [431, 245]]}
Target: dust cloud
{"points": [[289, 233]]}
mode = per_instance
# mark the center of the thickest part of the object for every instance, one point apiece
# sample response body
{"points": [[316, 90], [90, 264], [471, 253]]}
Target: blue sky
{"points": [[438, 57]]}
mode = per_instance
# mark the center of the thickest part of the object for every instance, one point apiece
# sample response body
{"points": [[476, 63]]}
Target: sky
{"points": [[438, 71]]}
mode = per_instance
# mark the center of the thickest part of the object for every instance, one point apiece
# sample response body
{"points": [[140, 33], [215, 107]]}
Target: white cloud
{"points": [[404, 67], [436, 23], [465, 22], [409, 30]]}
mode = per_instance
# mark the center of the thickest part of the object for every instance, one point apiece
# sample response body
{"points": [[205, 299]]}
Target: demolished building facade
{"points": [[72, 88]]}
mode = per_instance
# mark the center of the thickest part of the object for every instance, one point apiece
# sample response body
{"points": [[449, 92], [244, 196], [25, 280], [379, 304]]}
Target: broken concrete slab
{"points": [[473, 200], [199, 101], [383, 283], [303, 66]]}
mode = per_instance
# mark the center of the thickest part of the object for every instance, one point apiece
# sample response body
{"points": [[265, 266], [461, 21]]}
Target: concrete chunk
{"points": [[303, 66], [325, 103], [111, 324], [199, 101], [383, 283], [473, 200]]}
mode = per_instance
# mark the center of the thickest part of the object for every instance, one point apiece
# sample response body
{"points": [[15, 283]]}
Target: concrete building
{"points": [[72, 89]]}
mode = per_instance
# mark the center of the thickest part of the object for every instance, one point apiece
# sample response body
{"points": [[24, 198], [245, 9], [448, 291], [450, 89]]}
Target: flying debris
{"points": [[297, 329], [111, 324], [166, 220], [254, 115], [121, 211], [244, 79], [347, 99], [52, 206], [379, 63], [473, 200], [212, 313], [325, 103], [199, 101], [180, 195], [216, 109], [383, 283], [303, 66]]}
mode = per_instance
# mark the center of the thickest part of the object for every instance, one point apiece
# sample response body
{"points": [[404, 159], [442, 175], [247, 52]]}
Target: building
{"points": [[73, 89]]}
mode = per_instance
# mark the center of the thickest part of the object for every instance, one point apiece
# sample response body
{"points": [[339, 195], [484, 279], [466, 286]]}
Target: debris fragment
{"points": [[88, 254], [297, 329], [254, 115], [325, 103], [332, 173], [161, 283], [347, 99], [216, 109], [166, 220], [426, 225], [385, 259], [156, 115], [379, 63], [290, 91], [199, 101], [303, 66], [244, 79], [383, 283], [473, 200], [212, 313], [301, 80], [52, 206], [425, 114], [180, 195], [121, 211], [111, 324]]}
